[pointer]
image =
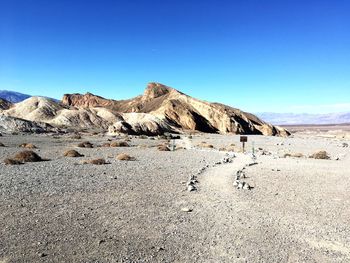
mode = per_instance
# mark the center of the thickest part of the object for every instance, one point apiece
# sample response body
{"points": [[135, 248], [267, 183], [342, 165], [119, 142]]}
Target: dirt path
{"points": [[231, 225]]}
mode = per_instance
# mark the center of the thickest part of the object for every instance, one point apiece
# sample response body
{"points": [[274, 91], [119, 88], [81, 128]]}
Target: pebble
{"points": [[191, 188], [246, 186], [186, 209]]}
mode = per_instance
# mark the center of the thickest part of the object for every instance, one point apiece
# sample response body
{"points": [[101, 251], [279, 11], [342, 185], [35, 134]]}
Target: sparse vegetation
{"points": [[99, 161], [27, 156], [9, 161], [86, 145], [163, 148], [231, 147], [28, 146], [205, 145], [72, 153], [125, 157], [119, 144], [295, 155], [320, 155]]}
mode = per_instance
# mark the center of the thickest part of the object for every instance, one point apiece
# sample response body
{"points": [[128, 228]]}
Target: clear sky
{"points": [[258, 55]]}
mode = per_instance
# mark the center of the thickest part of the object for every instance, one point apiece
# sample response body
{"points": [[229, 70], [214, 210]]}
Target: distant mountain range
{"points": [[304, 118], [16, 97], [13, 96]]}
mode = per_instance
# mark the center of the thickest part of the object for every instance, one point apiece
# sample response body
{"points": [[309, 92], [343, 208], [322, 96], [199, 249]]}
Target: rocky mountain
{"points": [[41, 109], [4, 104], [13, 96], [180, 111], [304, 118], [160, 109], [12, 124]]}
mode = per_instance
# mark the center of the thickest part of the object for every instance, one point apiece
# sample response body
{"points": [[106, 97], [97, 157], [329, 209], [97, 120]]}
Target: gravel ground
{"points": [[131, 211]]}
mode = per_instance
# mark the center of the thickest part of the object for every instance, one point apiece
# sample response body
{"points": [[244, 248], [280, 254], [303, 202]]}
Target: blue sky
{"points": [[279, 56]]}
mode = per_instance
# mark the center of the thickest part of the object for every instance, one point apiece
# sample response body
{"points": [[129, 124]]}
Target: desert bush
{"points": [[119, 144], [295, 155], [28, 145], [72, 153], [231, 147], [320, 155], [124, 157], [85, 145], [163, 148], [98, 161], [205, 145], [27, 156], [9, 161]]}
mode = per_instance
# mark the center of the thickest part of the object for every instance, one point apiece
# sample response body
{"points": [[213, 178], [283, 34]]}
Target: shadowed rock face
{"points": [[181, 111], [4, 104], [12, 124]]}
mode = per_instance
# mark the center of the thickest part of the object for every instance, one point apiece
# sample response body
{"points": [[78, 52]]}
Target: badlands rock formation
{"points": [[40, 109], [180, 111], [160, 109], [12, 124]]}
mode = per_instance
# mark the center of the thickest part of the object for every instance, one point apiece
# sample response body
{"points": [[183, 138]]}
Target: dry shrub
{"points": [[72, 153], [27, 156], [163, 148], [75, 137], [295, 155], [2, 145], [320, 155], [9, 161], [222, 149], [124, 157], [28, 145], [119, 144], [85, 145], [205, 145], [98, 161], [231, 147]]}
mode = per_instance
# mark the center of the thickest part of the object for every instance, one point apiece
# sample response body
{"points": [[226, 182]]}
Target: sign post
{"points": [[243, 140]]}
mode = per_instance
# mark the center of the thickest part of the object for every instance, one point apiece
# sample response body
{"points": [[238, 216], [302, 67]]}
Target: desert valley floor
{"points": [[62, 210]]}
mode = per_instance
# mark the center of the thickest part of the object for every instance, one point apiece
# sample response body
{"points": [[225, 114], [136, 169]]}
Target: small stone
{"points": [[191, 188], [246, 186], [186, 209]]}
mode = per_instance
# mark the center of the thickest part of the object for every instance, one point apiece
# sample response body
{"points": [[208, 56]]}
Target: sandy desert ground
{"points": [[141, 211]]}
